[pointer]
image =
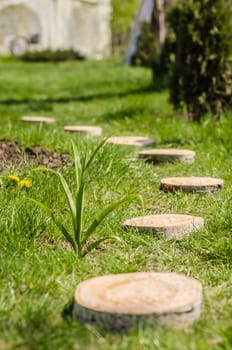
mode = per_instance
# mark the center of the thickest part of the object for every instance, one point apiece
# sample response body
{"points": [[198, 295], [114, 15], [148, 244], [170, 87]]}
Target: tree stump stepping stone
{"points": [[192, 184], [86, 129], [38, 119], [138, 141], [167, 225], [168, 155], [118, 302]]}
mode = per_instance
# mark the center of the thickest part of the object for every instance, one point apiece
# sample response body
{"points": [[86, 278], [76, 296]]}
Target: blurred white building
{"points": [[83, 25]]}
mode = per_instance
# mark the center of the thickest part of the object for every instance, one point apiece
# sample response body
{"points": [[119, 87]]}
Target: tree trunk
{"points": [[159, 14]]}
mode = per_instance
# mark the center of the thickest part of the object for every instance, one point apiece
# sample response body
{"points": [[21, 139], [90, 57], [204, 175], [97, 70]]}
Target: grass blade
{"points": [[56, 221], [70, 199], [79, 214], [44, 169], [95, 151], [96, 244], [77, 163], [67, 192], [97, 221]]}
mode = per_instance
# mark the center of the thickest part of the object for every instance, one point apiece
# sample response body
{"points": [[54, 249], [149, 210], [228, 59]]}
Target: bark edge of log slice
{"points": [[38, 119], [138, 141], [201, 185], [168, 225], [119, 302], [168, 155], [87, 129]]}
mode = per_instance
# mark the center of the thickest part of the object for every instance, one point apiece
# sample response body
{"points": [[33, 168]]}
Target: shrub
{"points": [[201, 74], [150, 53], [51, 56], [148, 49]]}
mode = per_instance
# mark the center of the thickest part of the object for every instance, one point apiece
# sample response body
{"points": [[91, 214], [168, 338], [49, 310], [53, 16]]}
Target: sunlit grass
{"points": [[38, 269]]}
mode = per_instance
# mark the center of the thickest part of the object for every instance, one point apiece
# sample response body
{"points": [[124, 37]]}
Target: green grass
{"points": [[39, 271]]}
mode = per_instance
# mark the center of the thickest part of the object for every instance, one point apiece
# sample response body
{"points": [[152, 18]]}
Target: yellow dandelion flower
{"points": [[25, 183], [14, 178]]}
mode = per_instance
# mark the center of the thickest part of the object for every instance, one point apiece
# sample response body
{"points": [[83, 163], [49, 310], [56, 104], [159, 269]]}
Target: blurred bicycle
{"points": [[18, 45]]}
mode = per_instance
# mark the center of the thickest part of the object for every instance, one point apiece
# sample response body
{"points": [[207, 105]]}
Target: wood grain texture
{"points": [[168, 225], [86, 129], [192, 184], [118, 302], [37, 119], [138, 141], [168, 155]]}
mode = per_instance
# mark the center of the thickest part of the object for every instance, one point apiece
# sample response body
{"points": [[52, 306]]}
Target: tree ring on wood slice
{"points": [[37, 119], [138, 141], [168, 225], [168, 155], [192, 184], [89, 130], [118, 302]]}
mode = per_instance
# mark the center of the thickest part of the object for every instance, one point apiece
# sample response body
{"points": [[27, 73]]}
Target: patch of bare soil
{"points": [[13, 155]]}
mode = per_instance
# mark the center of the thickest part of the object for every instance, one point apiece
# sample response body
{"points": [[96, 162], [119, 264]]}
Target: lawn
{"points": [[39, 271]]}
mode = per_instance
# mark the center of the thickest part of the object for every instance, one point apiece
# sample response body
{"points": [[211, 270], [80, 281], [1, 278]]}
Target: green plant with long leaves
{"points": [[78, 236]]}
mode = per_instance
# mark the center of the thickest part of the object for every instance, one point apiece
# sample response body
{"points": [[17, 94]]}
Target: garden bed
{"points": [[12, 154]]}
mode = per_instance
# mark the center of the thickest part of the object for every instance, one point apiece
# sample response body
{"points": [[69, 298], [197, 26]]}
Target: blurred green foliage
{"points": [[51, 56], [202, 46], [123, 15], [148, 49]]}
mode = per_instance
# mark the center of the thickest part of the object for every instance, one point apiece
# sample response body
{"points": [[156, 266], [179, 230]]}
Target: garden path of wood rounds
{"points": [[164, 299]]}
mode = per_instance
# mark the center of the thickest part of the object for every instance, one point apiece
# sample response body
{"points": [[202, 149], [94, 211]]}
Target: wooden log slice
{"points": [[118, 302], [37, 119], [131, 141], [168, 155], [168, 225], [192, 184], [89, 130]]}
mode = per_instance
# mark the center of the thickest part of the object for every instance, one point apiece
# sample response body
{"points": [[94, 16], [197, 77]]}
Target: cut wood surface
{"points": [[168, 155], [192, 184], [168, 225], [131, 141], [120, 301], [90, 130], [37, 119]]}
